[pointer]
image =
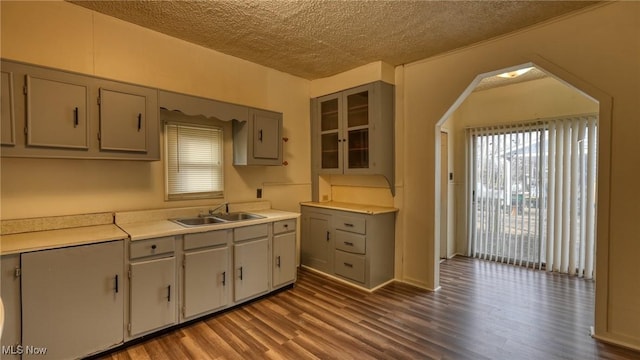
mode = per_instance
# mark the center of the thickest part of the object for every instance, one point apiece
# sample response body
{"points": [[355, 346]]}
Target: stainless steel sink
{"points": [[216, 219], [237, 216], [198, 221]]}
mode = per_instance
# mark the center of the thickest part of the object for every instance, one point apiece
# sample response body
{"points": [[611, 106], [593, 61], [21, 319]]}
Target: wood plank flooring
{"points": [[483, 311]]}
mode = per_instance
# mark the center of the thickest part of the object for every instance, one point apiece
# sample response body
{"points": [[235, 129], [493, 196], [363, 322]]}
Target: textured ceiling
{"points": [[314, 39]]}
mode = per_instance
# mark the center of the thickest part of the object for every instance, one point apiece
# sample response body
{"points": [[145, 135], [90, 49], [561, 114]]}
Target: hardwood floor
{"points": [[483, 311]]}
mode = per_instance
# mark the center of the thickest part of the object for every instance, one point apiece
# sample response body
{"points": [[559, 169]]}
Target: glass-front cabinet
{"points": [[353, 131], [344, 129]]}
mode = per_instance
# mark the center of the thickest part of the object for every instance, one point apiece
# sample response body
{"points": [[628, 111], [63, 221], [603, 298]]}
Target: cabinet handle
{"points": [[260, 135], [278, 261], [139, 121], [117, 287], [224, 278], [348, 243], [328, 235], [76, 122], [348, 225], [348, 265], [153, 247], [240, 272], [169, 293]]}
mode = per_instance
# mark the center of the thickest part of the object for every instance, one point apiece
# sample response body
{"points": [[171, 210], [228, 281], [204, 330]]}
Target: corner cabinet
{"points": [[353, 246], [58, 114], [353, 131], [258, 141]]}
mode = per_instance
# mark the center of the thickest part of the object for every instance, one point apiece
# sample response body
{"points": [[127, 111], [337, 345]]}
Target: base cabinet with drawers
{"points": [[206, 272], [152, 285], [284, 253], [250, 261], [353, 246]]}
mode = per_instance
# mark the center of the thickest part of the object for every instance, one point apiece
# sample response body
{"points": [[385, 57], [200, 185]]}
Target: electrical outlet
{"points": [[259, 193]]}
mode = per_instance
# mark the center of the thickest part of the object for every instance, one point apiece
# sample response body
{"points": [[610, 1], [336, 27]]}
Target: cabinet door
{"points": [[7, 118], [284, 258], [72, 302], [251, 262], [266, 135], [152, 295], [123, 119], [356, 128], [10, 295], [206, 280], [57, 113], [316, 243], [328, 133]]}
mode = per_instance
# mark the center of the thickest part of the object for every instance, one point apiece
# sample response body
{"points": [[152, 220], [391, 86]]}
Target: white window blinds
{"points": [[193, 161], [533, 193]]}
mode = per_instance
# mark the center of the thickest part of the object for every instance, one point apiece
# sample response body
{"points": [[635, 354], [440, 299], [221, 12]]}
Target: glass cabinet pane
{"points": [[329, 150], [358, 149], [329, 115], [358, 109]]}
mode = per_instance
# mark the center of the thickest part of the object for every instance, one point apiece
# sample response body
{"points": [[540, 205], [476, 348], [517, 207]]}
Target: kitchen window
{"points": [[194, 161]]}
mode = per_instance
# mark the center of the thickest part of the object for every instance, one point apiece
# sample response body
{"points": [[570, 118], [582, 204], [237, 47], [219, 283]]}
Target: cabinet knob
{"points": [[153, 247]]}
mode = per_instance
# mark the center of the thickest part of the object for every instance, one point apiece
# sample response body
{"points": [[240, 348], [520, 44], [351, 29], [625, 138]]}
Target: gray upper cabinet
{"points": [[7, 118], [353, 131], [258, 141], [124, 118], [58, 114], [57, 111]]}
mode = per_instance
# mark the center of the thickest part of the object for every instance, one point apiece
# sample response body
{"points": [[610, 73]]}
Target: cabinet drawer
{"points": [[351, 224], [151, 247], [350, 266], [206, 239], [350, 242], [250, 232], [284, 226]]}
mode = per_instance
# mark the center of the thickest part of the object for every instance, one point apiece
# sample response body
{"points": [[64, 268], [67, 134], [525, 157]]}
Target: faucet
{"points": [[226, 208]]}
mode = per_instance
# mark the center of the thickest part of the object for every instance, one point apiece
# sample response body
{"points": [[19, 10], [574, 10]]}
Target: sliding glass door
{"points": [[532, 194]]}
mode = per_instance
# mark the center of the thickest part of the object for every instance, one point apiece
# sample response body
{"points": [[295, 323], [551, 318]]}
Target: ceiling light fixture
{"points": [[514, 74]]}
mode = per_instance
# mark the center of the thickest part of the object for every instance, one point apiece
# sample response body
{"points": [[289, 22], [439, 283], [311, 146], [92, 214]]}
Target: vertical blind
{"points": [[194, 161], [533, 194]]}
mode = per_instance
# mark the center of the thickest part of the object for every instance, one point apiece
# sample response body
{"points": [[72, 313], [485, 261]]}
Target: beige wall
{"points": [[537, 99], [598, 51], [66, 36]]}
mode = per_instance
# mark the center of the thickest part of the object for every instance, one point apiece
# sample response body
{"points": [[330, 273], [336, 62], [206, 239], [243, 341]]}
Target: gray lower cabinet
{"points": [[10, 294], [152, 285], [284, 253], [250, 261], [316, 245], [356, 247], [72, 300], [206, 272]]}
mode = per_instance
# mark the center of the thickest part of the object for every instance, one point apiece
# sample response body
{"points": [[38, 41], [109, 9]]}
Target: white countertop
{"points": [[357, 208], [56, 232], [159, 228], [51, 239]]}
